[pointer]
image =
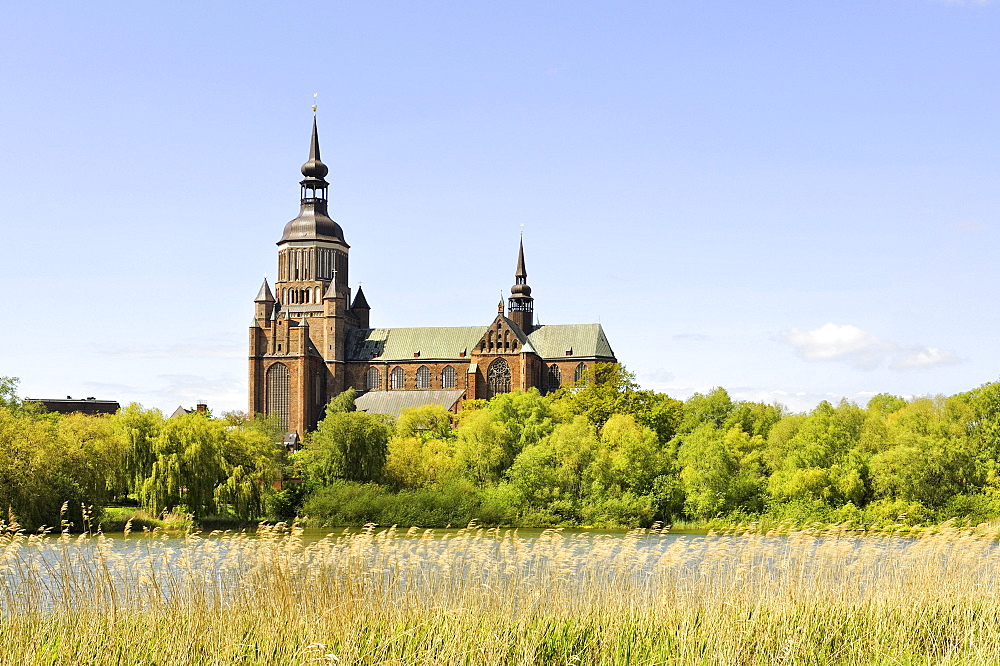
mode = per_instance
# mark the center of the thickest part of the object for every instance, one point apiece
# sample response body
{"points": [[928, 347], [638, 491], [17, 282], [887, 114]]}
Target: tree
{"points": [[607, 389], [821, 460], [8, 393], [203, 466], [425, 421], [342, 402], [346, 446], [629, 458], [483, 446]]}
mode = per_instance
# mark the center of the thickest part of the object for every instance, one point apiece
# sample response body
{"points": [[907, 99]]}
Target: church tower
{"points": [[520, 304], [298, 336]]}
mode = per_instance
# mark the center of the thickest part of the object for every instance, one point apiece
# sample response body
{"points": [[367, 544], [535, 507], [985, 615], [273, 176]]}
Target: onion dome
{"points": [[313, 222]]}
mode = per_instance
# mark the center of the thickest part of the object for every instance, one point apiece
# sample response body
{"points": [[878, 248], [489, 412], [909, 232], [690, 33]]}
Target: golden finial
{"points": [[315, 95]]}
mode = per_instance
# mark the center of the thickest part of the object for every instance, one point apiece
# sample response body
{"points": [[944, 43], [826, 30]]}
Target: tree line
{"points": [[602, 452]]}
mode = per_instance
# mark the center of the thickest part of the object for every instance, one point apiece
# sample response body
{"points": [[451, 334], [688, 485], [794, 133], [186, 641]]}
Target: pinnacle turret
{"points": [[264, 295]]}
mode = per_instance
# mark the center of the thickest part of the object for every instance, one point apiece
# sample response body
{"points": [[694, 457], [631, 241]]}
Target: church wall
{"points": [[357, 373]]}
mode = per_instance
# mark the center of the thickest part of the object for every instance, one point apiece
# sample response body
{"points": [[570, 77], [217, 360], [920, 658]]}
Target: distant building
{"points": [[309, 340], [78, 405], [201, 407]]}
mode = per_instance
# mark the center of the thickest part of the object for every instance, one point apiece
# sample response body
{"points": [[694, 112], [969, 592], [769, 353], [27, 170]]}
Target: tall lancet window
{"points": [[555, 377], [423, 377], [397, 379], [498, 377], [276, 393], [448, 377], [578, 375], [373, 380]]}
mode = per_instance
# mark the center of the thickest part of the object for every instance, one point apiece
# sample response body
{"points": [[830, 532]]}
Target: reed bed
{"points": [[478, 596]]}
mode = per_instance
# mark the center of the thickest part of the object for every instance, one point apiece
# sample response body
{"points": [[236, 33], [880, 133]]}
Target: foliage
{"points": [[346, 445], [600, 452], [200, 465]]}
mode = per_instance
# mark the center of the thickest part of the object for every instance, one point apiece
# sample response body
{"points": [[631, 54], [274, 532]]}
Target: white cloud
{"points": [[863, 350], [968, 225], [833, 342], [918, 358], [658, 377]]}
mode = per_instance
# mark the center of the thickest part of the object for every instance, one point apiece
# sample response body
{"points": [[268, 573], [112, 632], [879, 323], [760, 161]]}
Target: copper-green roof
{"points": [[397, 344], [551, 342], [581, 340]]}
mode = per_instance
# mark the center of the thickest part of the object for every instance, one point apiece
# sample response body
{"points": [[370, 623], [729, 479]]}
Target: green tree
{"points": [[629, 458], [342, 402], [425, 421], [346, 445], [483, 446], [203, 466], [821, 461]]}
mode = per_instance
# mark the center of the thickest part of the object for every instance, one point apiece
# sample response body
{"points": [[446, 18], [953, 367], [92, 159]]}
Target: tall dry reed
{"points": [[480, 596]]}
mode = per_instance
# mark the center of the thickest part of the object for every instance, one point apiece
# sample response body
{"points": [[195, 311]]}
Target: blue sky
{"points": [[795, 201]]}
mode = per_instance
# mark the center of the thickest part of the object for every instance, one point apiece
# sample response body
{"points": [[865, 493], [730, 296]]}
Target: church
{"points": [[311, 339]]}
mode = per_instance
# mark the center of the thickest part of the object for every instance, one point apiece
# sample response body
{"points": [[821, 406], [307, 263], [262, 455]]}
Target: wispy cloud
{"points": [[691, 337], [222, 393], [968, 225], [657, 377], [863, 350], [180, 350]]}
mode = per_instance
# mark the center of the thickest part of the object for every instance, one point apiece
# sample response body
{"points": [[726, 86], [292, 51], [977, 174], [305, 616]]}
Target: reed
{"points": [[478, 596]]}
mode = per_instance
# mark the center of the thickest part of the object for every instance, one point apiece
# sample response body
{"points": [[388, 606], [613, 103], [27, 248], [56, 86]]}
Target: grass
{"points": [[480, 596], [114, 519]]}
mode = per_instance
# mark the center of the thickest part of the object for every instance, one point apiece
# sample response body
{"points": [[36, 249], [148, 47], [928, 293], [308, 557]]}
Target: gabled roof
{"points": [[448, 342], [398, 344], [394, 402], [581, 340]]}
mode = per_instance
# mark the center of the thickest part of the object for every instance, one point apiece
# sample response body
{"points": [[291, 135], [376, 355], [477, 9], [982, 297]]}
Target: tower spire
{"points": [[313, 222], [520, 304], [521, 275]]}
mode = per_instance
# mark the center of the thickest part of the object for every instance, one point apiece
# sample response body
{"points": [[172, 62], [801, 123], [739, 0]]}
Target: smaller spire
{"points": [[521, 273], [264, 295], [360, 302], [500, 306], [331, 291]]}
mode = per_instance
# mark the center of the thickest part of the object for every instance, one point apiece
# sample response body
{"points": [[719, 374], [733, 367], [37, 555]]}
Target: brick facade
{"points": [[309, 340]]}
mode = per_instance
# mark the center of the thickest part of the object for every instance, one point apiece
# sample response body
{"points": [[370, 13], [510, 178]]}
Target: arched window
{"points": [[498, 377], [448, 377], [578, 375], [423, 377], [276, 393], [555, 377], [397, 379], [373, 379]]}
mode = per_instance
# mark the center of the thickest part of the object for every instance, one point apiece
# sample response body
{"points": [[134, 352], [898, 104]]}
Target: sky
{"points": [[794, 201]]}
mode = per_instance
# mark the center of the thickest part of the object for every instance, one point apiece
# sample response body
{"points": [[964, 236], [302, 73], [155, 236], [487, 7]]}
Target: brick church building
{"points": [[310, 339]]}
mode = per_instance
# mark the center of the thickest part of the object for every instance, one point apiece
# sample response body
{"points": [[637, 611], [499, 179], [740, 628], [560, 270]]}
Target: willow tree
{"points": [[203, 466]]}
